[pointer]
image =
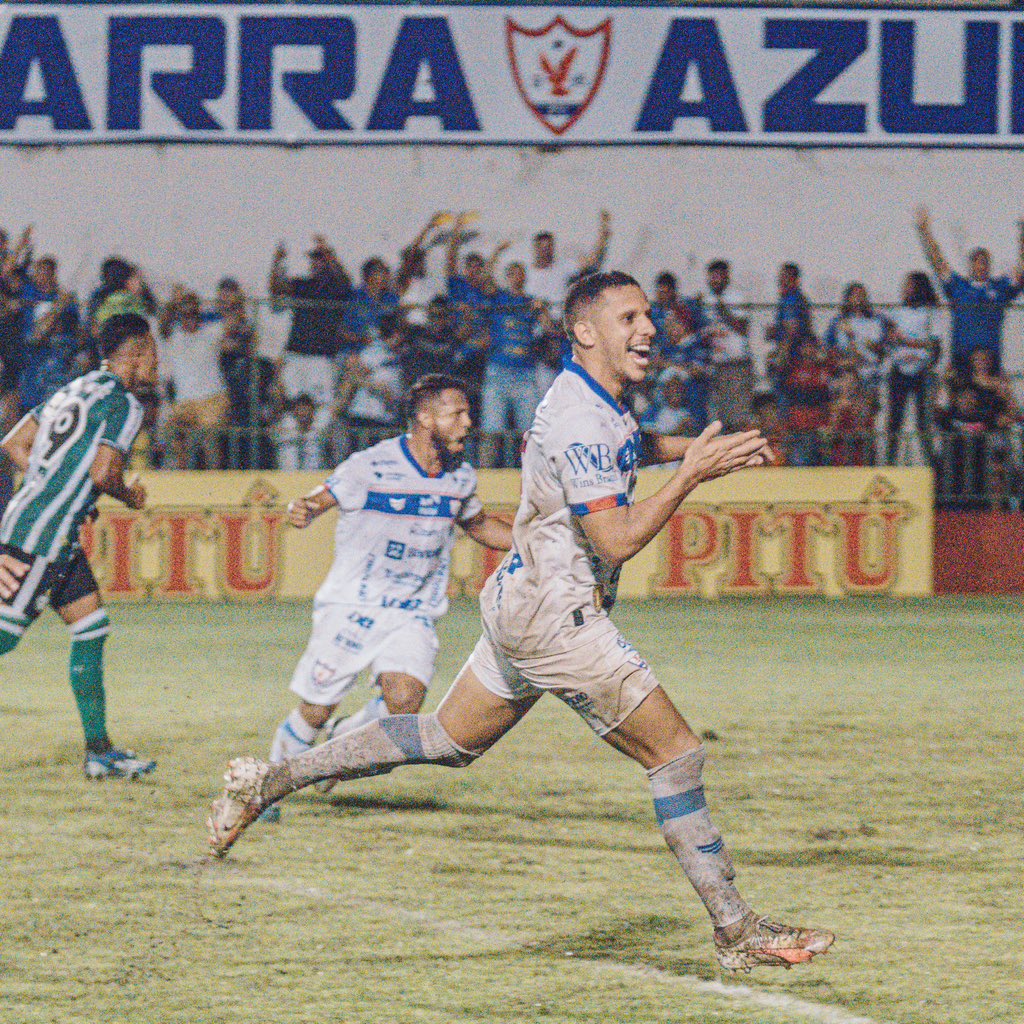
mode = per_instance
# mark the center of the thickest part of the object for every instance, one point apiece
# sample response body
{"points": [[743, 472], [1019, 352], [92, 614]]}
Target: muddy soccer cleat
{"points": [[765, 943], [239, 805]]}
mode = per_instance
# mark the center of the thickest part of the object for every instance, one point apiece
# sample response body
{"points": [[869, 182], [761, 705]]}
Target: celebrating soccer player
{"points": [[73, 448], [399, 502], [546, 625]]}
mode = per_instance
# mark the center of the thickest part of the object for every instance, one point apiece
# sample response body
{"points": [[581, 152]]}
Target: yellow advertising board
{"points": [[835, 532]]}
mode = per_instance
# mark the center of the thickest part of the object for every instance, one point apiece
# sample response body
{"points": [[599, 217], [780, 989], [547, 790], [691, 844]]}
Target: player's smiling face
{"points": [[622, 332]]}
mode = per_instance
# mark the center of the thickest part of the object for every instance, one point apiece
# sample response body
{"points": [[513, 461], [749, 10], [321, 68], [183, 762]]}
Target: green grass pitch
{"points": [[867, 776]]}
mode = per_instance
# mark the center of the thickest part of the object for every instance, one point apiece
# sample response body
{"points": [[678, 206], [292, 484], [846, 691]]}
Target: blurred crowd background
{"points": [[316, 367]]}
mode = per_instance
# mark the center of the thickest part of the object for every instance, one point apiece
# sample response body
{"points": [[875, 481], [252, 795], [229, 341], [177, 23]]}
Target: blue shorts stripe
{"points": [[679, 805], [716, 847]]}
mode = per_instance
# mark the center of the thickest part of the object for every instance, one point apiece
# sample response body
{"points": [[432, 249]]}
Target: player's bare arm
{"points": [[302, 511], [107, 474], [617, 534], [490, 531], [17, 444]]}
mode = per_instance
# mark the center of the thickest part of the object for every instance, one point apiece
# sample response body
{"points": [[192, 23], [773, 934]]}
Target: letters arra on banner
{"points": [[309, 73]]}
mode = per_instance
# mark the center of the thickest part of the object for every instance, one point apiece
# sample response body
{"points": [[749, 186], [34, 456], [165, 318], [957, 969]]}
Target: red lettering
{"points": [[744, 576], [799, 574], [869, 559], [693, 541], [249, 553], [121, 529], [178, 529]]}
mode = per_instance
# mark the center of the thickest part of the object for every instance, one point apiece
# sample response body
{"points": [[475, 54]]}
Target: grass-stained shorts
{"points": [[602, 677]]}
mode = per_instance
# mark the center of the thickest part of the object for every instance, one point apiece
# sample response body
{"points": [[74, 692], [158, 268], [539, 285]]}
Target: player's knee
{"points": [[403, 695], [316, 715]]}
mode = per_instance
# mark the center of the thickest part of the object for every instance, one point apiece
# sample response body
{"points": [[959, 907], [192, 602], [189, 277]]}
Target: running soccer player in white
{"points": [[546, 626], [398, 503]]}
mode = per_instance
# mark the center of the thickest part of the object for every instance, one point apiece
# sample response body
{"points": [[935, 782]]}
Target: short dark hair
{"points": [[589, 288], [229, 284], [542, 236], [429, 386], [720, 266], [792, 269], [120, 329], [372, 264], [666, 277]]}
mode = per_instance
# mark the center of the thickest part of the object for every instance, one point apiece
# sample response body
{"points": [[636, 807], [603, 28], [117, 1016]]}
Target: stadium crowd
{"points": [[319, 367]]}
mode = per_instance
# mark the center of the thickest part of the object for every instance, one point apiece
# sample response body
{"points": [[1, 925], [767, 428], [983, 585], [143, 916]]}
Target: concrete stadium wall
{"points": [[197, 212]]}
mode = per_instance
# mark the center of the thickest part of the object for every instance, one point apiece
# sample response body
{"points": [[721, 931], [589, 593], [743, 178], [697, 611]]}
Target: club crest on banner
{"points": [[558, 69]]}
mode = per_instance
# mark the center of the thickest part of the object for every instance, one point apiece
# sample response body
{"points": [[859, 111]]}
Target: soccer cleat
{"points": [[765, 943], [239, 805], [116, 764]]}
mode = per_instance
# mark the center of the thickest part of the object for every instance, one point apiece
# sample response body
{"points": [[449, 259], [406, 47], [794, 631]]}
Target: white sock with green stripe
{"points": [[691, 835]]}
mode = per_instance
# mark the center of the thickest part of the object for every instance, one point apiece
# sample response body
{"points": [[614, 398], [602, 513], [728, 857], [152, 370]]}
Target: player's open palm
{"points": [[713, 454]]}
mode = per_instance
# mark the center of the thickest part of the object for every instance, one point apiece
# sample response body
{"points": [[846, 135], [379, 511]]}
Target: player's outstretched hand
{"points": [[301, 512], [713, 454], [136, 497], [11, 573]]}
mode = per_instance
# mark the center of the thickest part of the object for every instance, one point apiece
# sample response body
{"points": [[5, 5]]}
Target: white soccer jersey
{"points": [[395, 531], [581, 456]]}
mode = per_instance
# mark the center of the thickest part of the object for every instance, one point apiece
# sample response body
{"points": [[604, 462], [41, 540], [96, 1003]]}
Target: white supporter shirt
{"points": [[396, 528], [727, 345], [385, 372], [551, 284], [915, 324], [581, 456], [192, 361]]}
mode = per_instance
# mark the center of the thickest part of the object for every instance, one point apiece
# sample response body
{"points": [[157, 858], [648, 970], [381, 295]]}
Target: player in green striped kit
{"points": [[73, 448]]}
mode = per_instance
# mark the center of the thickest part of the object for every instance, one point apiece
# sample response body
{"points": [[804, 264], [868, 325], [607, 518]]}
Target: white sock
{"points": [[370, 712], [294, 736]]}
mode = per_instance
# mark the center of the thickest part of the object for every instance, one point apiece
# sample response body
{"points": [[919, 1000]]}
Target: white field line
{"points": [[821, 1013]]}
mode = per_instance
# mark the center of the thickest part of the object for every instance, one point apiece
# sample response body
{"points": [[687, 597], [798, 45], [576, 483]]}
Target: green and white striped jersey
{"points": [[57, 493]]}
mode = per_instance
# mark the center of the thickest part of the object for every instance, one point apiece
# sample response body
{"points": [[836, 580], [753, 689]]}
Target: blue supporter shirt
{"points": [[792, 308], [513, 322], [45, 366], [976, 313], [363, 312], [471, 304]]}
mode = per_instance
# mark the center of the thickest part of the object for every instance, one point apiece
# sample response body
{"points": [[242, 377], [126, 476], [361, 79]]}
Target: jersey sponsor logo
{"points": [[395, 549], [585, 459], [432, 506], [362, 621], [629, 454], [405, 604], [558, 69]]}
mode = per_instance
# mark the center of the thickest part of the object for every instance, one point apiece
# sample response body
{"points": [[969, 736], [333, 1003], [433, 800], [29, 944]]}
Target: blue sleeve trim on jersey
{"points": [[599, 504], [429, 506]]}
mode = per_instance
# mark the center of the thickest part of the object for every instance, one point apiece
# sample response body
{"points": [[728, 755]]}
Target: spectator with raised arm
{"points": [[413, 282], [469, 291], [977, 302], [317, 306], [913, 351], [366, 305], [726, 328], [49, 340], [509, 397], [190, 366], [548, 276]]}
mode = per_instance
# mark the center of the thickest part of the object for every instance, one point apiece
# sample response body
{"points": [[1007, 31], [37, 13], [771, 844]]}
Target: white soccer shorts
{"points": [[347, 639], [602, 677]]}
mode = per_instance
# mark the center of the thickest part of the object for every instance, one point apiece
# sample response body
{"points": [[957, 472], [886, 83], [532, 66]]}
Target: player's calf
{"points": [[375, 749]]}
